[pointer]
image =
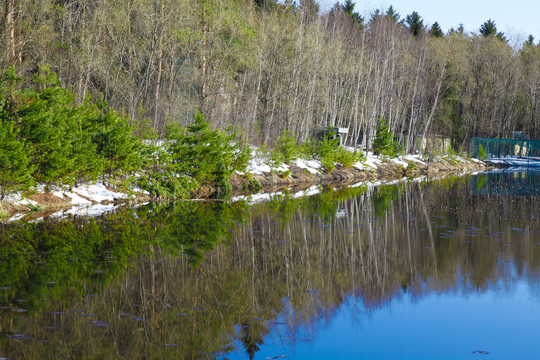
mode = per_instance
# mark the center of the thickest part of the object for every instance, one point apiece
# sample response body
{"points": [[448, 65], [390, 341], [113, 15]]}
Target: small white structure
{"points": [[434, 143]]}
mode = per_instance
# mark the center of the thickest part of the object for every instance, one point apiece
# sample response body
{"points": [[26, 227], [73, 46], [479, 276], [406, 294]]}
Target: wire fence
{"points": [[510, 151]]}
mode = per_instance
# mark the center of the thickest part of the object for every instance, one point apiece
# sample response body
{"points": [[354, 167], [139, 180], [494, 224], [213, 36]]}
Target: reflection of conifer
{"points": [[251, 341]]}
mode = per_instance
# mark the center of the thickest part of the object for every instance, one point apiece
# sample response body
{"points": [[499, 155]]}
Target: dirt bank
{"points": [[387, 170]]}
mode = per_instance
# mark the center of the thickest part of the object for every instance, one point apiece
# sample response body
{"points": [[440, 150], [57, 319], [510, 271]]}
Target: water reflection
{"points": [[515, 181], [226, 280]]}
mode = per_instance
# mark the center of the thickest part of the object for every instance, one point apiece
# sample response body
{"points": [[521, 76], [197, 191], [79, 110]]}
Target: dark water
{"points": [[448, 269]]}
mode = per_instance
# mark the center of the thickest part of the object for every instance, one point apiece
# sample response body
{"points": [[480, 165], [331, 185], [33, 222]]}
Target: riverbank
{"points": [[302, 173], [93, 199]]}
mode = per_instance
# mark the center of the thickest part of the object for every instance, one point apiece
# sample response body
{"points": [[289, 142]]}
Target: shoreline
{"points": [[43, 204]]}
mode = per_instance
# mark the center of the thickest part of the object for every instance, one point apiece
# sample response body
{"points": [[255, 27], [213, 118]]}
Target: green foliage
{"points": [[159, 177], [15, 169], [384, 142], [436, 30], [348, 8], [415, 23], [329, 152], [253, 186], [204, 154], [327, 149], [482, 153], [46, 137], [383, 198], [191, 157], [115, 141], [34, 208], [451, 153], [284, 174], [348, 158], [286, 148], [488, 28]]}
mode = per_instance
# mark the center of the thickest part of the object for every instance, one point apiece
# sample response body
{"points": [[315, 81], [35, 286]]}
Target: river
{"points": [[443, 269]]}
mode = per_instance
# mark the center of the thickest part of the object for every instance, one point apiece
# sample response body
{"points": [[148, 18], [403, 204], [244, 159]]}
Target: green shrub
{"points": [[482, 153], [328, 164], [287, 146], [58, 140], [253, 186], [34, 208], [347, 158], [203, 153], [329, 152], [284, 174], [384, 142]]}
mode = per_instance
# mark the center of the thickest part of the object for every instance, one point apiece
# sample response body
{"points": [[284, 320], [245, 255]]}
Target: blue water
{"points": [[497, 324]]}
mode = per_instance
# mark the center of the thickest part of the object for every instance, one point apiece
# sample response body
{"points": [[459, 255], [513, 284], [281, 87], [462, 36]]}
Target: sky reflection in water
{"points": [[497, 324], [502, 322]]}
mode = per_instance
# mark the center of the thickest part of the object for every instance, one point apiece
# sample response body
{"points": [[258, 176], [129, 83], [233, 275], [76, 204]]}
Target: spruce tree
{"points": [[530, 41], [488, 28], [393, 14], [348, 8], [15, 169], [415, 23], [436, 30]]}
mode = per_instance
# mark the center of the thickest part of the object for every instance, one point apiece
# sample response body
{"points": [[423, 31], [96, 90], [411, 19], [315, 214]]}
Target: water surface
{"points": [[447, 269]]}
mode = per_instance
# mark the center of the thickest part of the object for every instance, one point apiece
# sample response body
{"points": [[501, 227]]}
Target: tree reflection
{"points": [[189, 280]]}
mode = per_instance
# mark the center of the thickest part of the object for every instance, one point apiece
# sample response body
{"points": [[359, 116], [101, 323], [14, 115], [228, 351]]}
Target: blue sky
{"points": [[516, 18]]}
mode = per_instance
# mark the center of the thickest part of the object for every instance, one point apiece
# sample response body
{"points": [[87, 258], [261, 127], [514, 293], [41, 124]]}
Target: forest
{"points": [[109, 74], [268, 67]]}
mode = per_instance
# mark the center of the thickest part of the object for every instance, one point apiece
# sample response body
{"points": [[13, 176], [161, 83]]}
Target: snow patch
{"points": [[310, 165], [415, 158], [399, 162]]}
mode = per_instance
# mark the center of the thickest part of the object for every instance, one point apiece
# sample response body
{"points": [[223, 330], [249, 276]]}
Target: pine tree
{"points": [[530, 41], [384, 142], [415, 23], [393, 14], [488, 28], [436, 30], [348, 8], [15, 169]]}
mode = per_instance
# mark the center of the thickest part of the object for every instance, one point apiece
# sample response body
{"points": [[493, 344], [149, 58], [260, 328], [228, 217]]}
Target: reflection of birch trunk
{"points": [[372, 248], [407, 209], [428, 224]]}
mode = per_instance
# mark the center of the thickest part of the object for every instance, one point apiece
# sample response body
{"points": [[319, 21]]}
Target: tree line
{"points": [[272, 67]]}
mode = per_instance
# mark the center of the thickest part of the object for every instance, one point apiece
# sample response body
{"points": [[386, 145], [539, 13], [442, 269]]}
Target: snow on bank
{"points": [[87, 200], [312, 165]]}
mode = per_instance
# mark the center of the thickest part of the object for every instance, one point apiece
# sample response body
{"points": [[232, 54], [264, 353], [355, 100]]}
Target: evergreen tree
{"points": [[348, 8], [530, 41], [393, 14], [115, 142], [436, 30], [488, 28], [384, 142], [414, 23], [15, 169]]}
